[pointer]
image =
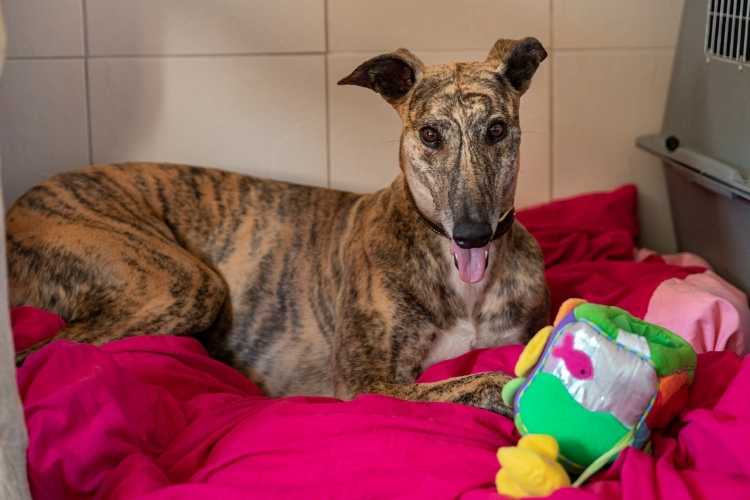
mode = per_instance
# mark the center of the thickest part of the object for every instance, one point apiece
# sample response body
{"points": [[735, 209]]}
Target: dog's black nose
{"points": [[472, 234]]}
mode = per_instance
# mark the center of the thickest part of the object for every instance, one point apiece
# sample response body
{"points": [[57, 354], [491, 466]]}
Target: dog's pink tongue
{"points": [[471, 262]]}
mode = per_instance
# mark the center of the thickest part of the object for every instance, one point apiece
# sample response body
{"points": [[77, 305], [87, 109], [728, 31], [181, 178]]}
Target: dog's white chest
{"points": [[460, 339], [464, 335]]}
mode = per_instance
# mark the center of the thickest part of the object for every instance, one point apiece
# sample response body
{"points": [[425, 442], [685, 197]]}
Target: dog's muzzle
{"points": [[472, 234], [471, 246], [470, 243]]}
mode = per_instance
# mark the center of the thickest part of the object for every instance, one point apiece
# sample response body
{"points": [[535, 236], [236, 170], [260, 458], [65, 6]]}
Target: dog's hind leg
{"points": [[107, 283]]}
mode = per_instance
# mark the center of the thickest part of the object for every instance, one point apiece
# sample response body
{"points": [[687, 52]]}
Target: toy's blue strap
{"points": [[604, 459]]}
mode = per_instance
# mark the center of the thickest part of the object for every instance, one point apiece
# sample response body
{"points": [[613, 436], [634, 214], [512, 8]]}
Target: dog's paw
{"points": [[485, 390]]}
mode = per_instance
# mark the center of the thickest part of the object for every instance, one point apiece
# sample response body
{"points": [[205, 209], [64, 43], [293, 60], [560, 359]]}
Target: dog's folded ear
{"points": [[517, 60], [391, 75]]}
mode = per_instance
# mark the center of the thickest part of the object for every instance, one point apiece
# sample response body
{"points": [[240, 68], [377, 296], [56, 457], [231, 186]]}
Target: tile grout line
{"points": [[327, 95], [615, 48], [311, 53], [87, 81], [551, 188], [44, 58], [174, 56]]}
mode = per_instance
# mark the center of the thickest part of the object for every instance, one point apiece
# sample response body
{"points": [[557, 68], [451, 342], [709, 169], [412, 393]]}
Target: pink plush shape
{"points": [[578, 363], [714, 315]]}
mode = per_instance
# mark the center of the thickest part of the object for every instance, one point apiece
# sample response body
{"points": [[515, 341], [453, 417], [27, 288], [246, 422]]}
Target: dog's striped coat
{"points": [[307, 290]]}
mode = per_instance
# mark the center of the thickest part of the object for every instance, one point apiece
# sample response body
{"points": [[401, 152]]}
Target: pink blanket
{"points": [[156, 418]]}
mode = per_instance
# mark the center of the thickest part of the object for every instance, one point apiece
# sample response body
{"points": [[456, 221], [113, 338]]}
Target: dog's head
{"points": [[460, 139]]}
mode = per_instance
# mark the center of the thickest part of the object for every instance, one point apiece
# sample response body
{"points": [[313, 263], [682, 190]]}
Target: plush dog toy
{"points": [[594, 383]]}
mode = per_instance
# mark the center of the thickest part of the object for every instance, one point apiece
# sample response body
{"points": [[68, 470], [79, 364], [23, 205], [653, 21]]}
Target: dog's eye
{"points": [[496, 132], [430, 137]]}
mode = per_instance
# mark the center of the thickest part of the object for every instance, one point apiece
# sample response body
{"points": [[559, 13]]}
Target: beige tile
{"points": [[603, 100], [138, 27], [44, 100], [364, 130], [259, 115], [44, 28], [363, 25], [615, 23], [534, 176]]}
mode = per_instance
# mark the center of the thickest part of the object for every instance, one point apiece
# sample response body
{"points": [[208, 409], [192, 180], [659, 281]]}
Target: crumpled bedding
{"points": [[156, 418]]}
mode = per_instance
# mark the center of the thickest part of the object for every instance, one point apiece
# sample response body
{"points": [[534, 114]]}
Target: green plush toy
{"points": [[595, 383]]}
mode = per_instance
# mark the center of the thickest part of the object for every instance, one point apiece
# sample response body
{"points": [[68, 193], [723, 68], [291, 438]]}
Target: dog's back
{"points": [[248, 263]]}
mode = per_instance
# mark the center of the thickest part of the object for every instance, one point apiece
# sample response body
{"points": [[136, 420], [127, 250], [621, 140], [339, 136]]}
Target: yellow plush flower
{"points": [[530, 469]]}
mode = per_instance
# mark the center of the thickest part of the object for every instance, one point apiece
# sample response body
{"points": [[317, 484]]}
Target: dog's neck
{"points": [[404, 204]]}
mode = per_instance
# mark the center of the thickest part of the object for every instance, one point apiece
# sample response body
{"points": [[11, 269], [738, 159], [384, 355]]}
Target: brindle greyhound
{"points": [[309, 290]]}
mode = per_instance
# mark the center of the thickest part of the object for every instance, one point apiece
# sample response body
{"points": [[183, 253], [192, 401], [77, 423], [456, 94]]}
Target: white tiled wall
{"points": [[43, 129], [171, 27], [440, 25], [611, 97], [599, 24], [44, 28], [263, 115], [250, 85]]}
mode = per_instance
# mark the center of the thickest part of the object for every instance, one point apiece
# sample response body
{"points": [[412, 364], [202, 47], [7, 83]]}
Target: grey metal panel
{"points": [[708, 167], [708, 108], [723, 178], [715, 227]]}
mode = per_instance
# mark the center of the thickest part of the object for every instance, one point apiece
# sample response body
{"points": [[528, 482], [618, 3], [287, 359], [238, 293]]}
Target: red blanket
{"points": [[155, 417]]}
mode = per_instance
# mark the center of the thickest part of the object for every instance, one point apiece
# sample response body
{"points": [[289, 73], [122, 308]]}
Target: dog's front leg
{"points": [[481, 390], [381, 351]]}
